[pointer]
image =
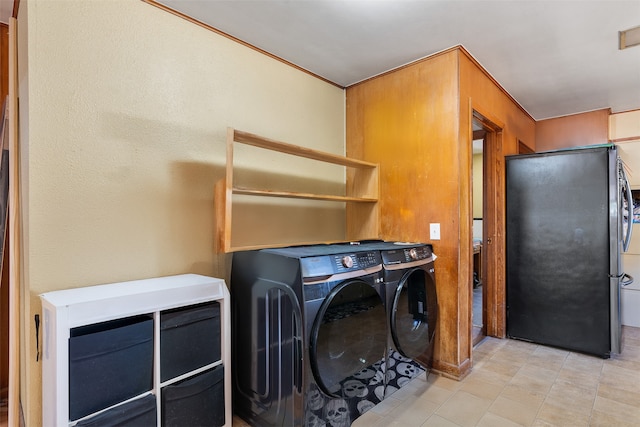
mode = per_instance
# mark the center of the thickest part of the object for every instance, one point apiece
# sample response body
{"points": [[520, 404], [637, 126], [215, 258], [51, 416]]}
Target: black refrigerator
{"points": [[567, 221]]}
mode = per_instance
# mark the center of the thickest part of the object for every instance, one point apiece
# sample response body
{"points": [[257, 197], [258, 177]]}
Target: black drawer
{"points": [[137, 413], [197, 401], [189, 339], [109, 363]]}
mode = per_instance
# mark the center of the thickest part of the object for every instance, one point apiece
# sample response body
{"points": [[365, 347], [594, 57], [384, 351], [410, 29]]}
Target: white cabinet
{"points": [[624, 131], [124, 348], [630, 295]]}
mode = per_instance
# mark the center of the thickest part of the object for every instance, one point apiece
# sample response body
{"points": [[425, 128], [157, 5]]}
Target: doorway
{"points": [[478, 323], [487, 258]]}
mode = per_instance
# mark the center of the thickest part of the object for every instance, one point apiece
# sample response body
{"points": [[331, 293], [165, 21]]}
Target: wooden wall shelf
{"points": [[362, 191]]}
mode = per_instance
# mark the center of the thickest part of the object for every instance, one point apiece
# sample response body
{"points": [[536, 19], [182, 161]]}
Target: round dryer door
{"points": [[414, 314], [349, 337]]}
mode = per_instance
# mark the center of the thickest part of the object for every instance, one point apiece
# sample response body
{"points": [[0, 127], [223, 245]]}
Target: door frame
{"points": [[493, 252]]}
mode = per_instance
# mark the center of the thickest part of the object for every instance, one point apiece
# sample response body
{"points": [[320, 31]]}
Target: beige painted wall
{"points": [[123, 115], [477, 185]]}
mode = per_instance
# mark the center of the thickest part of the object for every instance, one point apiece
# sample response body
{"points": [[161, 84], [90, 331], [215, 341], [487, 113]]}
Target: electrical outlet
{"points": [[434, 231]]}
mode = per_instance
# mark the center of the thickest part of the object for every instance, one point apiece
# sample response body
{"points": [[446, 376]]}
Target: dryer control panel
{"points": [[326, 265], [406, 255]]}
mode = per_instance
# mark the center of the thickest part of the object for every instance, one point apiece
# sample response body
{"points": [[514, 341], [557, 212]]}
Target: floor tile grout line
{"points": [[546, 396], [595, 398]]}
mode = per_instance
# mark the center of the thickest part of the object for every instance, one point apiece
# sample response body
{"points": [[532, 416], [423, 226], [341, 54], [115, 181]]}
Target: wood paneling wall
{"points": [[416, 123], [406, 121], [512, 127], [573, 131]]}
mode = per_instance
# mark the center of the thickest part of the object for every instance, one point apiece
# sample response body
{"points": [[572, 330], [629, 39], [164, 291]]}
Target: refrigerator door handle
{"points": [[627, 281], [627, 238]]}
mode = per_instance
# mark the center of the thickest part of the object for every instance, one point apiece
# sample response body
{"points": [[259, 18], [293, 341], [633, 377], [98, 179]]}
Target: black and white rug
{"points": [[360, 393]]}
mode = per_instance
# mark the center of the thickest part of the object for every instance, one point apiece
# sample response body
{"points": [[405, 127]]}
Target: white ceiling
{"points": [[554, 57]]}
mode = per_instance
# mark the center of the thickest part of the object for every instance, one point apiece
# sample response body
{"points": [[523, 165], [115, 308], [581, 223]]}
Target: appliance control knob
{"points": [[413, 253], [347, 261]]}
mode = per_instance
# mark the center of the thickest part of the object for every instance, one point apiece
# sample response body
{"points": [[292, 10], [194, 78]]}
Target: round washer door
{"points": [[349, 335], [414, 314]]}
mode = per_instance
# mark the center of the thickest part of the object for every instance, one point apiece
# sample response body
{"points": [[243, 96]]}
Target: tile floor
{"points": [[514, 383]]}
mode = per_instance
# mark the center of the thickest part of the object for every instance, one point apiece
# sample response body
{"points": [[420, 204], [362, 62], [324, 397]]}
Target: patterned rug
{"points": [[360, 393]]}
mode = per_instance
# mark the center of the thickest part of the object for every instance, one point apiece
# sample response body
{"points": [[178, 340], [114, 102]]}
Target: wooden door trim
{"points": [[493, 224]]}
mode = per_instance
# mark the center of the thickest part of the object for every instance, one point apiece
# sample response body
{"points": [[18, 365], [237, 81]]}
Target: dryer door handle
{"points": [[297, 357]]}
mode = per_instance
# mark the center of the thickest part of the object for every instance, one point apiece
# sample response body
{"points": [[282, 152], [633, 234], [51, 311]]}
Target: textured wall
{"points": [[124, 109]]}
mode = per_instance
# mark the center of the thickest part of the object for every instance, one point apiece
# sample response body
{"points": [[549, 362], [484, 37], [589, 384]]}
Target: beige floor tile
{"points": [[532, 382], [601, 419], [502, 367], [573, 397], [493, 420], [627, 363], [464, 409], [632, 355], [551, 360], [516, 412], [542, 423], [438, 421], [541, 373], [524, 345], [389, 423], [522, 395], [622, 411], [480, 358], [481, 388], [437, 394], [444, 382], [489, 376], [583, 362], [551, 351], [491, 345], [560, 416], [622, 378], [368, 421], [551, 354], [416, 413], [629, 395], [579, 377], [513, 356], [411, 412]]}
